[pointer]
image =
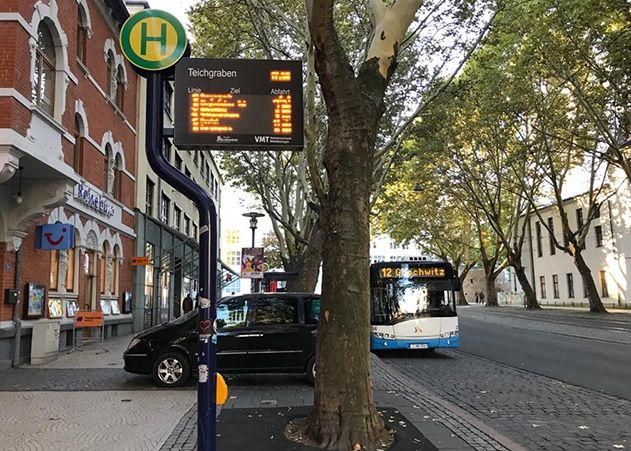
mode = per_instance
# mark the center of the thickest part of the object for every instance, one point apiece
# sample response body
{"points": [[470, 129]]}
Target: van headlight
{"points": [[133, 343]]}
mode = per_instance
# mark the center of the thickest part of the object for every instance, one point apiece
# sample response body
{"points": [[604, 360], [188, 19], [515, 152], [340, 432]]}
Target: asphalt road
{"points": [[598, 365]]}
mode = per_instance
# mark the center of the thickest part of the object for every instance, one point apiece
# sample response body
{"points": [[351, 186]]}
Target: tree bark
{"points": [[595, 304], [462, 299], [529, 293], [309, 265]]}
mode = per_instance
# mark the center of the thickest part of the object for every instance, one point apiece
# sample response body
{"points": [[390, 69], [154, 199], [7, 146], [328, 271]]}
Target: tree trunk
{"points": [[344, 414], [462, 299], [529, 293], [491, 292], [595, 304], [309, 268]]}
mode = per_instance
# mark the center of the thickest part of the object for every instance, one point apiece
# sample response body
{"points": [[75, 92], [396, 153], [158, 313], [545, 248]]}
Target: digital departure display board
{"points": [[238, 104], [409, 272]]}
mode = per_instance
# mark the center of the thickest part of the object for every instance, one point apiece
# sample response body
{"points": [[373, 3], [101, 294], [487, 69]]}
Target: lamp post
{"points": [[253, 215]]}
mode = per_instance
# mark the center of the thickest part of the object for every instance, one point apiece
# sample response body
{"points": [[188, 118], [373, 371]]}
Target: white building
{"points": [[385, 249], [607, 252]]}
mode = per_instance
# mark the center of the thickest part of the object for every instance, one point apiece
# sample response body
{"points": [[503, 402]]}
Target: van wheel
{"points": [[171, 370], [311, 370]]}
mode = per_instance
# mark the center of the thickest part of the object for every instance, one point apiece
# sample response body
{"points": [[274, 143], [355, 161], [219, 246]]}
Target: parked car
{"points": [[257, 333]]}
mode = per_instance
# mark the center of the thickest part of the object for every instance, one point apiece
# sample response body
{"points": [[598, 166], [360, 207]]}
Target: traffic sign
{"points": [[153, 39], [140, 261]]}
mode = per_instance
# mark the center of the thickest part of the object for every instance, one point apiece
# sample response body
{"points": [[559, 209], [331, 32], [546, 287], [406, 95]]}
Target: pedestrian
{"points": [[187, 304], [481, 298], [476, 297]]}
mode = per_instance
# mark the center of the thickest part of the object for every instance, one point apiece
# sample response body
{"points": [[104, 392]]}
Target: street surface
{"points": [[547, 380]]}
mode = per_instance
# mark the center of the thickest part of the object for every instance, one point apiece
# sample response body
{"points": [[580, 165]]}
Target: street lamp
{"points": [[253, 215]]}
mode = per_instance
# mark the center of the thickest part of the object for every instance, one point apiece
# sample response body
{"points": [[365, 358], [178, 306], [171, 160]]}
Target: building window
{"points": [[555, 286], [603, 284], [232, 237], [542, 283], [70, 271], [216, 190], [82, 35], [195, 231], [79, 139], [168, 98], [538, 231], [177, 216], [166, 149], [187, 225], [233, 258], [119, 98], [570, 285], [579, 218], [178, 161], [117, 189], [196, 158], [599, 236], [187, 172], [165, 206], [45, 63], [208, 174], [149, 197], [102, 269], [54, 270], [551, 236], [111, 75]]}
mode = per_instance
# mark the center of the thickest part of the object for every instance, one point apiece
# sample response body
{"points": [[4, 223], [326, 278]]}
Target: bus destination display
{"points": [[238, 104], [430, 272]]}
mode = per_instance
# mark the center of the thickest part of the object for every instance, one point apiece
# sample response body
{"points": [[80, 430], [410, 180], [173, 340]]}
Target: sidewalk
{"points": [[84, 400]]}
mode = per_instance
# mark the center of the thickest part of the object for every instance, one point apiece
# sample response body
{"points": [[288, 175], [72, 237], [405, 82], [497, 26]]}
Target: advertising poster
{"points": [[252, 261], [36, 294]]}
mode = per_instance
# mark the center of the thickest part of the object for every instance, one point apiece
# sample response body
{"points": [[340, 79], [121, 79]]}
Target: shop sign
{"points": [[93, 200], [54, 237]]}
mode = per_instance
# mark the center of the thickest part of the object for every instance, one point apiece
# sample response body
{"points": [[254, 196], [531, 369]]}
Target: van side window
{"points": [[312, 310], [232, 314], [276, 311]]}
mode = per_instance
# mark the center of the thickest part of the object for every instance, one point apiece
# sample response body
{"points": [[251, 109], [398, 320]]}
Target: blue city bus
{"points": [[413, 305]]}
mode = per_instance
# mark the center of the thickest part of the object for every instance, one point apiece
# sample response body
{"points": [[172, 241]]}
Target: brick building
{"points": [[68, 133]]}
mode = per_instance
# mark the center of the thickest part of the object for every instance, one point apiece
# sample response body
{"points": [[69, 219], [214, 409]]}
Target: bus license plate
{"points": [[418, 346]]}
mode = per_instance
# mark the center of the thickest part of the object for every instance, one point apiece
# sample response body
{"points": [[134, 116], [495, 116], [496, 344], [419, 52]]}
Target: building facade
{"points": [[167, 222], [552, 273], [68, 131]]}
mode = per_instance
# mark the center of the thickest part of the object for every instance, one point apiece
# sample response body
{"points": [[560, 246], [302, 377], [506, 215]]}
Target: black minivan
{"points": [[257, 333]]}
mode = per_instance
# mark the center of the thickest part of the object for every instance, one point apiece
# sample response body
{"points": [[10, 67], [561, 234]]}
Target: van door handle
{"points": [[248, 335]]}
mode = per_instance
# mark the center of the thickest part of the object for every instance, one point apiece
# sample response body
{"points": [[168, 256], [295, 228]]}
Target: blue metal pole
{"points": [[207, 346]]}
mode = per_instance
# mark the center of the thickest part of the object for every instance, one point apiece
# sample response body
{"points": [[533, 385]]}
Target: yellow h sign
{"points": [[153, 40]]}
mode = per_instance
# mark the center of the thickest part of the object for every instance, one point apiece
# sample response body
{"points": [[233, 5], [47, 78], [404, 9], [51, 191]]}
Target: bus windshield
{"points": [[395, 300]]}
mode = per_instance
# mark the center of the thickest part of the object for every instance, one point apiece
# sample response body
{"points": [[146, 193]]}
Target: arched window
{"points": [[115, 267], [79, 137], [102, 269], [109, 169], [45, 63], [111, 75], [120, 88], [118, 177], [82, 35]]}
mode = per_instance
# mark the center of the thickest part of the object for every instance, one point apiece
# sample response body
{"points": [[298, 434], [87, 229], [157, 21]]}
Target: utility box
{"points": [[45, 342]]}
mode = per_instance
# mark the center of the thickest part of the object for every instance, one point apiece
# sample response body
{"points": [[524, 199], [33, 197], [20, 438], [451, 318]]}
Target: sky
{"points": [[176, 7]]}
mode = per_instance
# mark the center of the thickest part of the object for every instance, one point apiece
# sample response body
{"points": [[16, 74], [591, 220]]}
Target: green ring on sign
{"points": [[139, 61]]}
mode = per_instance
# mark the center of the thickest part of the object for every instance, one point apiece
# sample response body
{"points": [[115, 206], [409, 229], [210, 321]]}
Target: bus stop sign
{"points": [[153, 40]]}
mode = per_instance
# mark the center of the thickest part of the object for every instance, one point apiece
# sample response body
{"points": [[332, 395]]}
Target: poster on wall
{"points": [[127, 302], [71, 308], [36, 295], [106, 307], [55, 308], [252, 261], [114, 306]]}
